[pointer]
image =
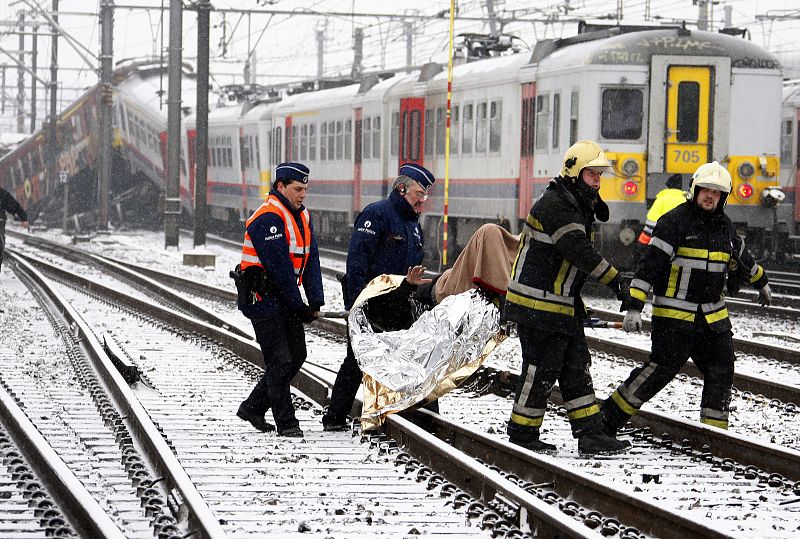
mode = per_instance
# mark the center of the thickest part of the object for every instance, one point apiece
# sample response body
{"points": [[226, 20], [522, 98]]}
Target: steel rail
{"points": [[179, 487], [79, 507], [537, 515], [137, 277], [744, 346]]}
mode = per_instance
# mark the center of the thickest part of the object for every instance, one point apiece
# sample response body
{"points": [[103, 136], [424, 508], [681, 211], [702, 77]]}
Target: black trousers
{"points": [[546, 357], [713, 354], [283, 345]]}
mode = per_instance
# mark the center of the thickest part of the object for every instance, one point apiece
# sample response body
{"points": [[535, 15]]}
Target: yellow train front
{"points": [[661, 102]]}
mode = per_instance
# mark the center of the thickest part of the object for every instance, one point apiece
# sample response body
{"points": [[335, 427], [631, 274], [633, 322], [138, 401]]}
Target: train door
{"points": [[690, 110], [412, 136], [526, 150]]}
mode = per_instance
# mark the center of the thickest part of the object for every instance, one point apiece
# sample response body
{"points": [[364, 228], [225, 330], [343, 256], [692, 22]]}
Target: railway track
{"points": [[714, 460]]}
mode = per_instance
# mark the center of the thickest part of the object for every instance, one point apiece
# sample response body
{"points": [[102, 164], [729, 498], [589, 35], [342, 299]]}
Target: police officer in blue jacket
{"points": [[387, 238], [279, 255]]}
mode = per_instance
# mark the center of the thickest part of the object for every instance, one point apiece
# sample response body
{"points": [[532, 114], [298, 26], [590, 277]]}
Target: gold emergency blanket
{"points": [[439, 351]]}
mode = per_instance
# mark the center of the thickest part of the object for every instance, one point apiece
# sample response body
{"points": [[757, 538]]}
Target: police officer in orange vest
{"points": [[278, 256]]}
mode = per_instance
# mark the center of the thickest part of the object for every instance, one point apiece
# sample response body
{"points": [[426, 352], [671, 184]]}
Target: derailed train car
{"points": [[658, 102], [138, 171]]}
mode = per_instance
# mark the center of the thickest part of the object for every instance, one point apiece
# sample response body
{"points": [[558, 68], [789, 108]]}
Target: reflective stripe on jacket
{"points": [[686, 264], [555, 258], [299, 242]]}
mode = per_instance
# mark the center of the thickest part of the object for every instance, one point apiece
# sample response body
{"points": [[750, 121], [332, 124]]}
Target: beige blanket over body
{"points": [[485, 262]]}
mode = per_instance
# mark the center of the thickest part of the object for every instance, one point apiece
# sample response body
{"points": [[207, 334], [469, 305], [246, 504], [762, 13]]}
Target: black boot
{"points": [[256, 420], [599, 443], [537, 446]]}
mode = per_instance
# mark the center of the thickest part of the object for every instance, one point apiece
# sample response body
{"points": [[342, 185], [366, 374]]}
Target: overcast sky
{"points": [[285, 46]]}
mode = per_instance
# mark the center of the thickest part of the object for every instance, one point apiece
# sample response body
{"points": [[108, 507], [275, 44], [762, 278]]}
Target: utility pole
{"points": [[34, 57], [172, 200], [21, 77], [106, 100], [201, 141], [358, 53], [619, 10], [492, 17], [702, 14], [728, 16], [53, 172], [320, 51], [409, 29]]}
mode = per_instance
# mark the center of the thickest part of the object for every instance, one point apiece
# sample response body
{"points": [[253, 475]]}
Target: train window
{"points": [[304, 143], [430, 127], [295, 142], [786, 142], [244, 158], [348, 139], [376, 137], [455, 122], [441, 130], [323, 142], [622, 113], [276, 157], [495, 125], [395, 137], [415, 135], [556, 119], [331, 141], [339, 140], [287, 143], [228, 152], [480, 128], [688, 111], [468, 129], [312, 142], [573, 117], [366, 136], [404, 136], [542, 120]]}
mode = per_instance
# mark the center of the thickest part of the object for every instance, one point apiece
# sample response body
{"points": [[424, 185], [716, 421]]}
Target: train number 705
{"points": [[687, 156]]}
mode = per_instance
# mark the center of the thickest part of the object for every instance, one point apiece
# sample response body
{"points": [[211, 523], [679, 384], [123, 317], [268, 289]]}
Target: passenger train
{"points": [[658, 101]]}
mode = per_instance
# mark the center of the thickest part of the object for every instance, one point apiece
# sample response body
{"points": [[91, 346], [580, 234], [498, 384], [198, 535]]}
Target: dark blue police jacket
{"points": [[386, 238], [283, 296]]}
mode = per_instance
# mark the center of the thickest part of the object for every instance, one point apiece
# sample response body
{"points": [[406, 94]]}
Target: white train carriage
{"points": [[790, 152]]}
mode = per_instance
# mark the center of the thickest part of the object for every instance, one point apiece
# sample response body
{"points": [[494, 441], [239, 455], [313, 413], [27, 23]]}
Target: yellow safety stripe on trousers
{"points": [[558, 285], [672, 285], [583, 412], [641, 295], [716, 316], [673, 313], [623, 404], [757, 275], [526, 421], [539, 304], [719, 423]]}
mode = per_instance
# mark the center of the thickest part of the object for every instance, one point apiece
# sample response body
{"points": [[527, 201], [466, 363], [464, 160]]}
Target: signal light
{"points": [[745, 191], [630, 188]]}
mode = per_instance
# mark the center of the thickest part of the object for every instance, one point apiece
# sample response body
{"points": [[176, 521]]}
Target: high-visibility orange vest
{"points": [[299, 244]]}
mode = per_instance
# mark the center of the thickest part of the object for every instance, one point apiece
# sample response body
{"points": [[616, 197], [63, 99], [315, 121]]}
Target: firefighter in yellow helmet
{"points": [[555, 258], [666, 199], [686, 264]]}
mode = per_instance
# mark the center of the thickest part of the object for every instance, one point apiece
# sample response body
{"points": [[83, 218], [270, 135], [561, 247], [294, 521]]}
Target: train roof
{"points": [[791, 92], [148, 91], [321, 98], [499, 69], [638, 48]]}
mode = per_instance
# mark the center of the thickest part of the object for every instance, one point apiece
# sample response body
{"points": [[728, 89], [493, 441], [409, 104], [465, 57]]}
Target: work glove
{"points": [[308, 314], [620, 290], [632, 321], [765, 296]]}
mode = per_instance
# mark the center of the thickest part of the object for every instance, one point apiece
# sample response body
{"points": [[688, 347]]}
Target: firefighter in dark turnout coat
{"points": [[686, 264], [9, 204], [387, 238], [281, 251], [555, 258]]}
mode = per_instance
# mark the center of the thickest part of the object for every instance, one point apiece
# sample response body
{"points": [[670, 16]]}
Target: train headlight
{"points": [[630, 188], [745, 191], [746, 170], [630, 167], [772, 196]]}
